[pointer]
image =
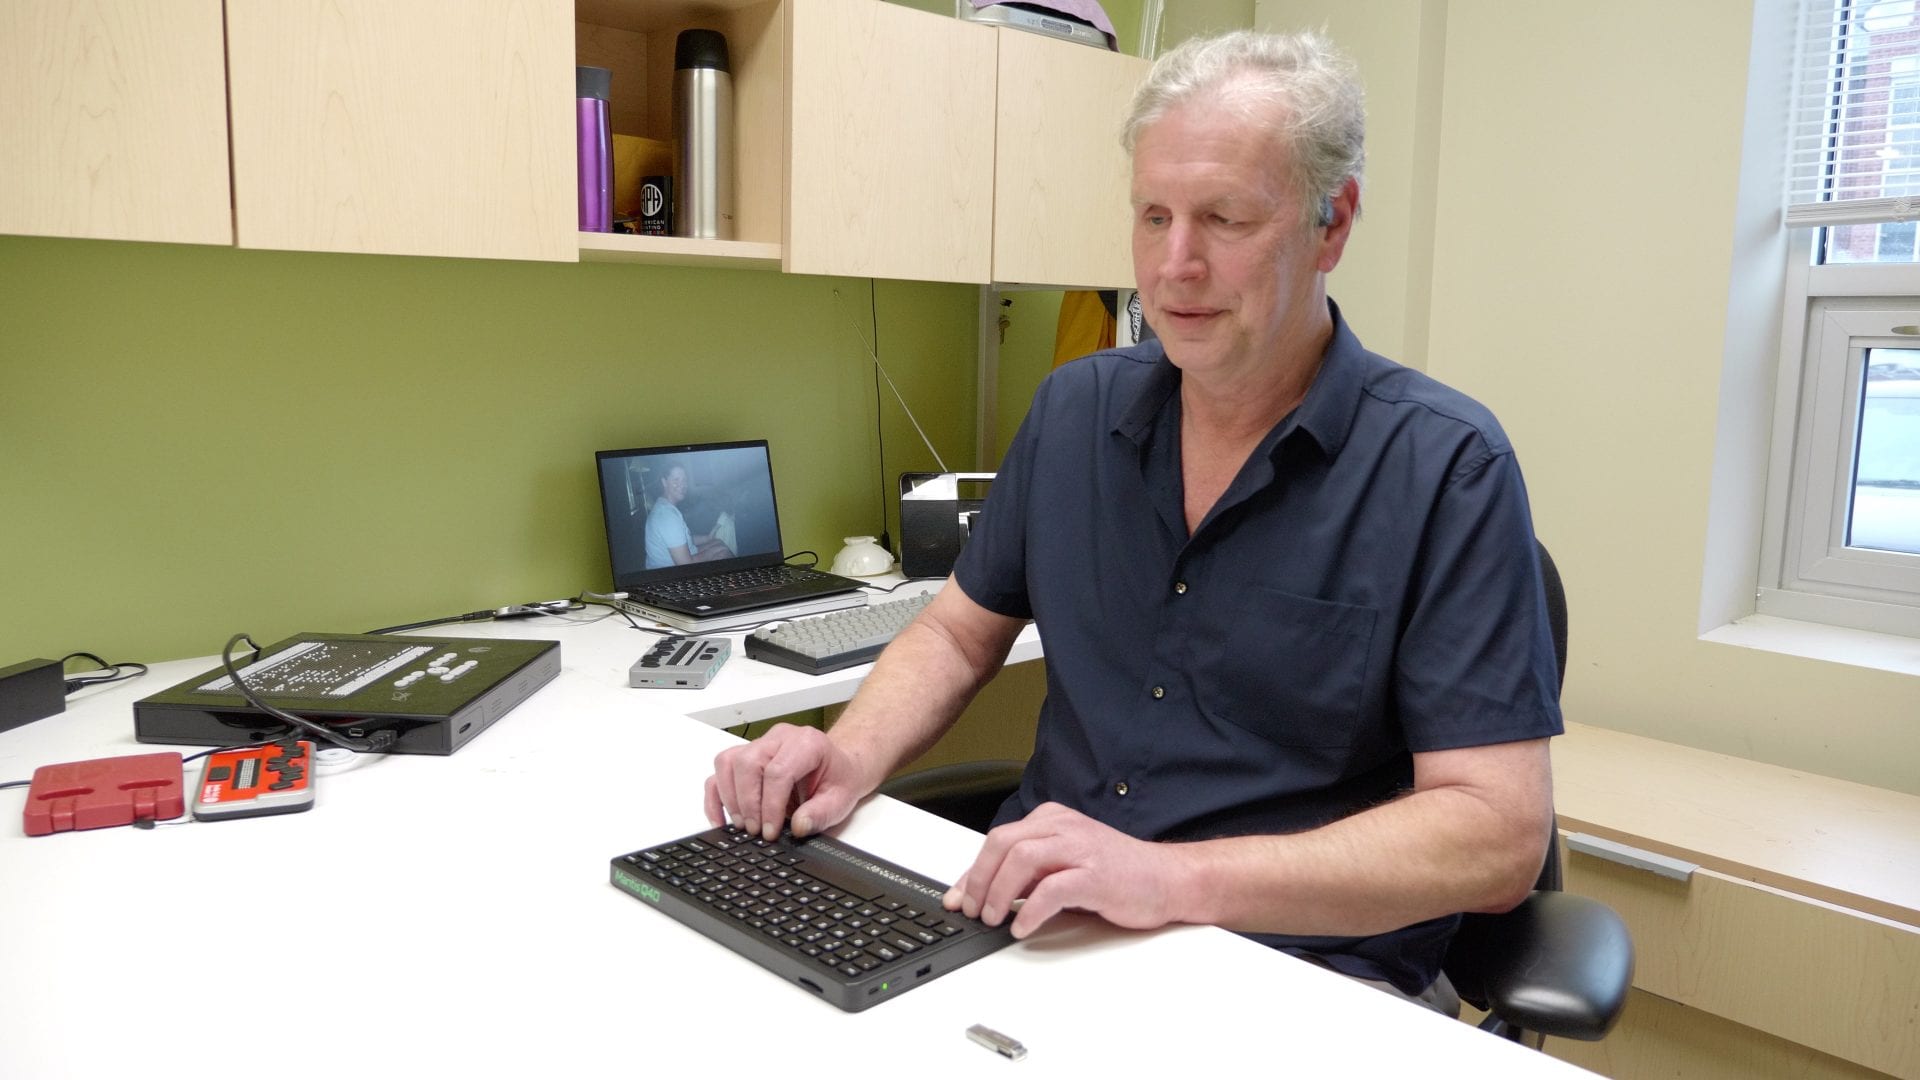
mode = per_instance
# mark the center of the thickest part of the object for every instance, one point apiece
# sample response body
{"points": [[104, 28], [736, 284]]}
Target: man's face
{"points": [[674, 486], [1228, 269]]}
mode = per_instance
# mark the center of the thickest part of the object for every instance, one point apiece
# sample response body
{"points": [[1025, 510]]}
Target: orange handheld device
{"points": [[256, 780]]}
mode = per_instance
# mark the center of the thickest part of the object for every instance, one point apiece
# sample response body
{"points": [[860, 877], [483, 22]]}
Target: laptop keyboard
{"points": [[846, 925], [734, 583]]}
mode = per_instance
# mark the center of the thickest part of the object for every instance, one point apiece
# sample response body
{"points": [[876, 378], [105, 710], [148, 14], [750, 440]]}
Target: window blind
{"points": [[1854, 122]]}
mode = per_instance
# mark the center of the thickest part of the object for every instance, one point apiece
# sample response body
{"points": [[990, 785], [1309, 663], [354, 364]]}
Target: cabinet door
{"points": [[1061, 192], [1843, 982], [113, 119], [431, 127], [890, 125]]}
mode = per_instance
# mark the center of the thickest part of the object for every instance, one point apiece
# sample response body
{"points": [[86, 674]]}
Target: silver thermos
{"points": [[702, 136]]}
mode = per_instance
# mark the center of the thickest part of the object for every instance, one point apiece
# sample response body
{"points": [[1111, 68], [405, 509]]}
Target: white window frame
{"points": [[1832, 315]]}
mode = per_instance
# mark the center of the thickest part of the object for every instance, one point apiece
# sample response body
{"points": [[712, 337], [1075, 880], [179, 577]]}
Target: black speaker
{"points": [[937, 512]]}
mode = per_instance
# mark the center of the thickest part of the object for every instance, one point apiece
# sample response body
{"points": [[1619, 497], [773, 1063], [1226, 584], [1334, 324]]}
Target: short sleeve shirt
{"points": [[1366, 588], [666, 530]]}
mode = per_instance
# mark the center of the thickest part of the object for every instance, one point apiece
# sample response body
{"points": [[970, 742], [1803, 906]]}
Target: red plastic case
{"points": [[103, 792]]}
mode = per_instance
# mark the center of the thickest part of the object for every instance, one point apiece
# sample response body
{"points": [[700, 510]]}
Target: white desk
{"points": [[452, 916], [742, 693]]}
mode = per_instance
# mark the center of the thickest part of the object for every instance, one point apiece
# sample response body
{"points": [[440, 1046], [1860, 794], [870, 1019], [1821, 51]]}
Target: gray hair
{"points": [[1323, 119]]}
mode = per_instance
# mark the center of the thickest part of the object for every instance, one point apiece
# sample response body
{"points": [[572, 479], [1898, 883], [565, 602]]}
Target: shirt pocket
{"points": [[1295, 671]]}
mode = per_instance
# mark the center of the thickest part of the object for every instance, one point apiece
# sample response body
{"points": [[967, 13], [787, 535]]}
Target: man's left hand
{"points": [[1059, 858]]}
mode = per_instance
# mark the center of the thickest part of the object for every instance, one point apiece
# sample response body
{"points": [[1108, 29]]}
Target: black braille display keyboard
{"points": [[850, 927]]}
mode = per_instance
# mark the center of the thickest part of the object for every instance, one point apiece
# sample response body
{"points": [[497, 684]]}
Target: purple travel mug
{"points": [[592, 87]]}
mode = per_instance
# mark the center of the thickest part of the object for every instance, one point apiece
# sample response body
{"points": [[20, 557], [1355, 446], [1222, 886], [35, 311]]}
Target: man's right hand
{"points": [[790, 768], [916, 690]]}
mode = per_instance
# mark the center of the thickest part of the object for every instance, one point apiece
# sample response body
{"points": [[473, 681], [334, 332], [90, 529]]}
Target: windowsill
{"points": [[1816, 641]]}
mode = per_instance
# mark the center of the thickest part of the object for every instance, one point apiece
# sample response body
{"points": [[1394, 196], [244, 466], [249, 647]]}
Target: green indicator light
{"points": [[884, 986]]}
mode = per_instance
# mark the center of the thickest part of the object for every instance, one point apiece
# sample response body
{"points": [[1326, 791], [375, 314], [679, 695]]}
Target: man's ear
{"points": [[1338, 211]]}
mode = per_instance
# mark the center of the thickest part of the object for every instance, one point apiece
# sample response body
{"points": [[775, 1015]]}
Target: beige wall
{"points": [[1385, 282], [1582, 181]]}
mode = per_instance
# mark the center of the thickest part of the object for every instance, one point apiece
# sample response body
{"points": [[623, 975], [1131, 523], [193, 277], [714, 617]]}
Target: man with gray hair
{"points": [[1300, 677]]}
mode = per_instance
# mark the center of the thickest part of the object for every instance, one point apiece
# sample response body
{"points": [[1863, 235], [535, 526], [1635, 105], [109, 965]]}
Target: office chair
{"points": [[1558, 964]]}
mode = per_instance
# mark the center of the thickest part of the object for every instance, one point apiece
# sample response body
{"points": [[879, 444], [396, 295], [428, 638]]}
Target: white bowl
{"points": [[862, 558]]}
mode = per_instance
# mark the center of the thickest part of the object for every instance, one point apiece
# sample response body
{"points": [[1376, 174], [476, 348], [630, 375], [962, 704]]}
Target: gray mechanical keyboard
{"points": [[835, 640]]}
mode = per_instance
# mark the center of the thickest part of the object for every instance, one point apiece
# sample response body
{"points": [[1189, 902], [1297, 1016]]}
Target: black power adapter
{"points": [[31, 691]]}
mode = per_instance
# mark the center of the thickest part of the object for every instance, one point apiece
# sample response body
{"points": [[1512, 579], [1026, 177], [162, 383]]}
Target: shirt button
{"points": [[1120, 788], [1180, 588], [1159, 692]]}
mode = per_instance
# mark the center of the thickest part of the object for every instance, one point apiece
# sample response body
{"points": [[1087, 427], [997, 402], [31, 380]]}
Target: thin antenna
{"points": [[882, 369]]}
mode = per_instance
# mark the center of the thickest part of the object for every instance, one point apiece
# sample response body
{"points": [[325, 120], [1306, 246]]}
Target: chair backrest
{"points": [[1556, 607], [1556, 593], [1559, 964]]}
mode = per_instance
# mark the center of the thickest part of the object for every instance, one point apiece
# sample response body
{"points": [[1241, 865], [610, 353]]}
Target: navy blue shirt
{"points": [[1366, 588]]}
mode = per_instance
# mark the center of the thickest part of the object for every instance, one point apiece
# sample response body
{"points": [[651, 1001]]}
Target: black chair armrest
{"points": [[1559, 964], [967, 793]]}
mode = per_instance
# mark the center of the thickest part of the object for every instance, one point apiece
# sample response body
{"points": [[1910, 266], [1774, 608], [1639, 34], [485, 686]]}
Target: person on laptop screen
{"points": [[1300, 673], [669, 542]]}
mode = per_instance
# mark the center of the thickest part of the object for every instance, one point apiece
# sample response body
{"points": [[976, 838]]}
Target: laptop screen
{"points": [[681, 511]]}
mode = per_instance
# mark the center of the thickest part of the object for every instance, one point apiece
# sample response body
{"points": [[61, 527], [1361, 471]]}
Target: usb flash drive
{"points": [[996, 1042]]}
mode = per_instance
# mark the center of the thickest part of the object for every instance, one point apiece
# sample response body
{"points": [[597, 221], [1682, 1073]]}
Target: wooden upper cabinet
{"points": [[1061, 195], [113, 121], [635, 41], [430, 127], [890, 143], [873, 140]]}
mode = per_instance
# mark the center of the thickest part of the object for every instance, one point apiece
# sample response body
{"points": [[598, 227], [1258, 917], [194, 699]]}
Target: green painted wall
{"points": [[198, 441], [1183, 19], [1031, 319]]}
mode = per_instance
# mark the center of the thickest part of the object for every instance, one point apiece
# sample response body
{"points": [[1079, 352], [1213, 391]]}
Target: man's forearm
{"points": [[1434, 852]]}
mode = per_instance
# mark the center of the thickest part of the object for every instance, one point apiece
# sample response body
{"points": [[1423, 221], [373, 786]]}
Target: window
{"points": [[1885, 502], [1843, 538]]}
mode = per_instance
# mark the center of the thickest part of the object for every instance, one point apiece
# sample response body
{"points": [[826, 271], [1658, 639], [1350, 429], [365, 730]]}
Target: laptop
{"points": [[693, 534]]}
